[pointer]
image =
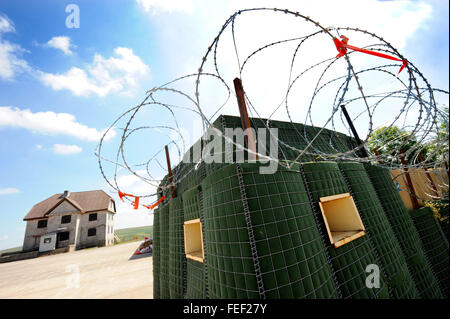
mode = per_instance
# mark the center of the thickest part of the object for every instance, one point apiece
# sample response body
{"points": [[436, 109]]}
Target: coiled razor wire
{"points": [[411, 90]]}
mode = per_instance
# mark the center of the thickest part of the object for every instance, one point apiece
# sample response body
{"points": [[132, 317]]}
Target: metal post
{"points": [[245, 121], [412, 192], [172, 188], [375, 151], [355, 134]]}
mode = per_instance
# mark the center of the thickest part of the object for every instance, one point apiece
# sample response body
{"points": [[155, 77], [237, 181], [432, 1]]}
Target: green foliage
{"points": [[391, 139], [441, 137], [135, 233]]}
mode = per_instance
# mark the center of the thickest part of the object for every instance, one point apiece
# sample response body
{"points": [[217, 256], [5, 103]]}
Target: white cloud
{"points": [[118, 74], [61, 43], [10, 61], [50, 123], [126, 215], [9, 190], [4, 237], [63, 149], [39, 147], [6, 25], [157, 6]]}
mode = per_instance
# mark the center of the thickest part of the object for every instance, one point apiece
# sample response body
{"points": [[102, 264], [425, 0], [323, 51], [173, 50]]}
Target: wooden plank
{"points": [[193, 240], [349, 239], [409, 182]]}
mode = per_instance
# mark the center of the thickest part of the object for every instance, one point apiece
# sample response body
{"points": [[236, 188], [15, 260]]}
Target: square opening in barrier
{"points": [[193, 240], [341, 218]]}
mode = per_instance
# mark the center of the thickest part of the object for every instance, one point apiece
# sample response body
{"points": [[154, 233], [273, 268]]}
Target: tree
{"points": [[389, 140]]}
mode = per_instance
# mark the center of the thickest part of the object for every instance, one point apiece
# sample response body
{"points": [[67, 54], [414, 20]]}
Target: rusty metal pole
{"points": [[249, 140], [375, 151], [412, 192], [355, 134], [429, 176], [172, 188]]}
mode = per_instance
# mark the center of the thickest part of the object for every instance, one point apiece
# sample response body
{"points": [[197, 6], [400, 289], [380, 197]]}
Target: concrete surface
{"points": [[107, 272]]}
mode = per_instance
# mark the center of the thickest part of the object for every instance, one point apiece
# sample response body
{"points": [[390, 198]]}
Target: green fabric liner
{"points": [[195, 280], [230, 265], [164, 251], [405, 231], [435, 245], [349, 261], [156, 254], [176, 248], [378, 228], [195, 272], [290, 251]]}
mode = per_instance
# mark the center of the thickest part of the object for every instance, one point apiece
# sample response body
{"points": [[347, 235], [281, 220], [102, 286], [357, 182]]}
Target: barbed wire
{"points": [[418, 120]]}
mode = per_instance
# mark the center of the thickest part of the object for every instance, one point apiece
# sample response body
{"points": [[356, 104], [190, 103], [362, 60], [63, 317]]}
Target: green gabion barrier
{"points": [[435, 245], [195, 271], [349, 261], [156, 255], [407, 236], [176, 249], [195, 280], [289, 252], [164, 291], [379, 230]]}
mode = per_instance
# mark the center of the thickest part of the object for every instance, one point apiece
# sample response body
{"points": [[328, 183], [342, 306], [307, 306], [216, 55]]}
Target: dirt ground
{"points": [[107, 272]]}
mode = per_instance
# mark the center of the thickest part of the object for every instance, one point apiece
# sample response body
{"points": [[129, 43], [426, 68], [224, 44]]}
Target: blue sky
{"points": [[61, 87]]}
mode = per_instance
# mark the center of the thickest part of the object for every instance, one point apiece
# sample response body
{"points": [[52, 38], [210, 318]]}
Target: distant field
{"points": [[10, 250], [135, 233]]}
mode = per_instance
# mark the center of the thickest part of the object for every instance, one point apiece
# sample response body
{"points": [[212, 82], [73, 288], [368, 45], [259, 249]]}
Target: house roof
{"points": [[84, 201]]}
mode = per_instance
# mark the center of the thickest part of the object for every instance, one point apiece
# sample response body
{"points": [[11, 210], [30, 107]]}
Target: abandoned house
{"points": [[71, 219]]}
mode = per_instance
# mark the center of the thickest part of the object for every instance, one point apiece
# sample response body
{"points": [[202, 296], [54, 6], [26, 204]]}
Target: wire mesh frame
{"points": [[156, 254], [176, 249], [164, 251], [393, 263], [349, 261], [302, 253], [323, 237], [368, 232], [435, 246], [290, 252], [251, 236], [405, 231], [195, 274], [230, 264]]}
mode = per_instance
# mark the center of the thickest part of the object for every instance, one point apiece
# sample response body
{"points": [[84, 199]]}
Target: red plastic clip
{"points": [[343, 45], [122, 195], [155, 204], [136, 202]]}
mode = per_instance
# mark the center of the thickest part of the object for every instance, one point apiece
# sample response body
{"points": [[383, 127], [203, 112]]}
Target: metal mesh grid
{"points": [[290, 253], [435, 245], [156, 255], [379, 231], [349, 261], [176, 249], [231, 269], [195, 272], [405, 232], [164, 251]]}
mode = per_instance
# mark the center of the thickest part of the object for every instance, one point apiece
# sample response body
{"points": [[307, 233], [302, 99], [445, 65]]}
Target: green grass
{"points": [[11, 250], [135, 233]]}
